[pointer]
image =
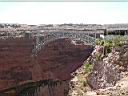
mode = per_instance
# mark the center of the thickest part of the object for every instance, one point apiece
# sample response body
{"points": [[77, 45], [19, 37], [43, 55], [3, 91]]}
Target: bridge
{"points": [[51, 36]]}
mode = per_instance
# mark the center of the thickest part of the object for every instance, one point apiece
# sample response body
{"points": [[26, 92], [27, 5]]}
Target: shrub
{"points": [[99, 41], [98, 56], [111, 43], [88, 67]]}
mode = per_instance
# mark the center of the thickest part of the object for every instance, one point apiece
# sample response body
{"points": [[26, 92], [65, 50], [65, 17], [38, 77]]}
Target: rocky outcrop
{"points": [[111, 69], [103, 75], [120, 89], [15, 61], [57, 60], [78, 84], [64, 57], [109, 76]]}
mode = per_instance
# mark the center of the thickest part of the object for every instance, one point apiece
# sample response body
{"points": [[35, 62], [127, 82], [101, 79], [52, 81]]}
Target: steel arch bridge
{"points": [[51, 36]]}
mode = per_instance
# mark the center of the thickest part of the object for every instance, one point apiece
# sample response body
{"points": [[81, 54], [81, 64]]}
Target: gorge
{"points": [[56, 61]]}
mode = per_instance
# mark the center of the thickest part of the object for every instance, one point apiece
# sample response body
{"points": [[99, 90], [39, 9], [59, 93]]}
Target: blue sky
{"points": [[63, 12]]}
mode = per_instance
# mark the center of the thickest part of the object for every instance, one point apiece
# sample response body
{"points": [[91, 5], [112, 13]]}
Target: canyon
{"points": [[56, 61]]}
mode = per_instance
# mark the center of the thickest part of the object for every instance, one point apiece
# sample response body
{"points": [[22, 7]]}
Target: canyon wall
{"points": [[56, 60]]}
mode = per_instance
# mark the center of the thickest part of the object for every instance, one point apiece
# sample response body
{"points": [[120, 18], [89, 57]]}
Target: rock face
{"points": [[57, 60], [111, 69], [15, 61], [64, 57], [120, 89], [103, 75], [109, 76]]}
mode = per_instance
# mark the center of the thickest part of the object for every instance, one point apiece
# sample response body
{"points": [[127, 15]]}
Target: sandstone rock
{"points": [[56, 60], [106, 75], [120, 89], [91, 93], [108, 71], [103, 75], [64, 57]]}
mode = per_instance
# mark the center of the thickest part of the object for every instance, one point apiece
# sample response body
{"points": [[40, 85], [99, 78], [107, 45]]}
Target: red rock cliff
{"points": [[56, 60]]}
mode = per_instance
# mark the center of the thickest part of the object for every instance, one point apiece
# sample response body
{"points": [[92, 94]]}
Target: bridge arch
{"points": [[51, 36]]}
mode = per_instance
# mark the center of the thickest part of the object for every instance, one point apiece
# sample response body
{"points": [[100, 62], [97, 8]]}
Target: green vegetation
{"points": [[99, 42], [88, 67], [99, 56], [112, 43]]}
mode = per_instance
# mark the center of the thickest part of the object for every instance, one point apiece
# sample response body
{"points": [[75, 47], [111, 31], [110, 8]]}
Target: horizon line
{"points": [[64, 23]]}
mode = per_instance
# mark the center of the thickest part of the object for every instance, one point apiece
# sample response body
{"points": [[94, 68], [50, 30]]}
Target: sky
{"points": [[64, 12]]}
